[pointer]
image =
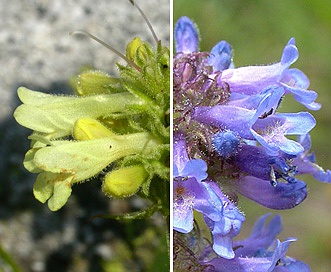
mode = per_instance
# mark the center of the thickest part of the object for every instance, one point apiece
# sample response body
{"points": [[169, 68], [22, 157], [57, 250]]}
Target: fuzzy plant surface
{"points": [[230, 139], [113, 128]]}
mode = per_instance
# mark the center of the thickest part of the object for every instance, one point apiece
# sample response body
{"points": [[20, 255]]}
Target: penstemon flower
{"points": [[114, 128], [230, 139]]}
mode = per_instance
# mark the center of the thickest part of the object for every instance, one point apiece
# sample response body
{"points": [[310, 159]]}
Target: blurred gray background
{"points": [[37, 52]]}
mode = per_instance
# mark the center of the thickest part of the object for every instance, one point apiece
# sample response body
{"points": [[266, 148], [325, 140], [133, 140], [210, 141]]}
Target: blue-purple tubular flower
{"points": [[254, 79], [189, 192], [262, 236], [281, 197], [260, 252], [227, 227], [306, 163], [267, 101], [256, 124], [189, 195], [269, 132], [259, 170], [254, 161]]}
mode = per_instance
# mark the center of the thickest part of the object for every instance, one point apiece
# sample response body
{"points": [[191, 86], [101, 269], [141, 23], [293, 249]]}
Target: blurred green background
{"points": [[258, 31]]}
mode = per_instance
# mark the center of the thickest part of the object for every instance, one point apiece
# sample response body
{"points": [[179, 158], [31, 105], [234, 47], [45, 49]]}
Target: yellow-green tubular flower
{"points": [[68, 162], [54, 116], [125, 181]]}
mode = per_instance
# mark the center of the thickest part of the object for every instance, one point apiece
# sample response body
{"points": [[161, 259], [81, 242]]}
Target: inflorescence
{"points": [[230, 139], [116, 129]]}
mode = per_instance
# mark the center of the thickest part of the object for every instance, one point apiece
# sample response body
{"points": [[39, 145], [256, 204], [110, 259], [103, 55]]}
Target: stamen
{"points": [[82, 32], [146, 20], [273, 179]]}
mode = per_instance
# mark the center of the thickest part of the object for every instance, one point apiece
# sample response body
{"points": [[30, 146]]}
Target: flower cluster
{"points": [[230, 139], [116, 129]]}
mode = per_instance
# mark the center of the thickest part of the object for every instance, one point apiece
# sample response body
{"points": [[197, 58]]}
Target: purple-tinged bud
{"points": [[220, 56], [187, 38]]}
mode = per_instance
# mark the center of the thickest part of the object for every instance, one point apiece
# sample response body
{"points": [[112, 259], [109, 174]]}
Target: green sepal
{"points": [[152, 85]]}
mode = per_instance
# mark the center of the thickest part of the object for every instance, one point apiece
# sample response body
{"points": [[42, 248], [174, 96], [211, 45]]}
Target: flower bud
{"points": [[139, 52], [226, 143], [88, 129], [96, 82], [124, 182]]}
